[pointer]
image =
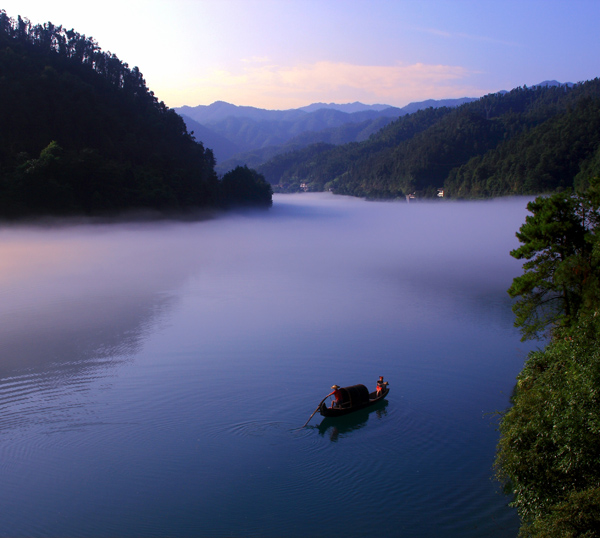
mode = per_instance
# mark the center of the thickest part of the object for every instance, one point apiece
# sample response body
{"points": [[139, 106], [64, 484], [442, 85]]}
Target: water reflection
{"points": [[46, 373], [75, 304], [341, 426], [171, 364]]}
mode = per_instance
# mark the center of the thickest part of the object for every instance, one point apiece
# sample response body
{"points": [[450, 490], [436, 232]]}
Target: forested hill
{"points": [[526, 141], [81, 133]]}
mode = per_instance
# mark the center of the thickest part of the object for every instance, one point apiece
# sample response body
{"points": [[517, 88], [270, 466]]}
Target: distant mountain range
{"points": [[241, 135], [245, 135], [553, 83], [529, 140], [348, 107]]}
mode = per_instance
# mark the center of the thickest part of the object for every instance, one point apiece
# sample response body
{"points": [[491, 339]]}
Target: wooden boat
{"points": [[353, 398]]}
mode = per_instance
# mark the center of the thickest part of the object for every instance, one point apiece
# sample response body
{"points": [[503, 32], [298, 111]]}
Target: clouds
{"points": [[269, 85], [468, 37], [290, 53]]}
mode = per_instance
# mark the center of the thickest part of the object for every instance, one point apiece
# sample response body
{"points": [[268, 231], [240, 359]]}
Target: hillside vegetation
{"points": [[241, 135], [526, 141], [254, 135], [549, 451], [81, 133]]}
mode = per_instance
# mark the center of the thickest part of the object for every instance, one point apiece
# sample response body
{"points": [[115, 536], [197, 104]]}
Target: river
{"points": [[155, 375]]}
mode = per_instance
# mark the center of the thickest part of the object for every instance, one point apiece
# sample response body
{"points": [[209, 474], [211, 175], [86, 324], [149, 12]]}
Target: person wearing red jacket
{"points": [[337, 394], [380, 385]]}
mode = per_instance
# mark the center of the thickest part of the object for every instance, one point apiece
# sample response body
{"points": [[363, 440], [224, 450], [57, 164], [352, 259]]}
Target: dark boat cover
{"points": [[356, 394]]}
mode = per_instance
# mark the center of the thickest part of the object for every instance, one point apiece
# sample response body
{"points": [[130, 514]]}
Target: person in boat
{"points": [[381, 384], [337, 394]]}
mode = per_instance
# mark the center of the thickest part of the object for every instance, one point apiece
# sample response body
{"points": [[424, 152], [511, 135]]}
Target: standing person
{"points": [[337, 394]]}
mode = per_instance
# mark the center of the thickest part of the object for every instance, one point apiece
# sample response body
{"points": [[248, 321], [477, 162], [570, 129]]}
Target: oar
{"points": [[318, 407]]}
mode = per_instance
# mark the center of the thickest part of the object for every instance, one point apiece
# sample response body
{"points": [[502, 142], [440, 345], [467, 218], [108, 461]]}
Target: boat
{"points": [[354, 398], [344, 425]]}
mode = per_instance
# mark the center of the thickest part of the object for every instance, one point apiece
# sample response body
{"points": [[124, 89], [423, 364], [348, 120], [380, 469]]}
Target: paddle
{"points": [[318, 407]]}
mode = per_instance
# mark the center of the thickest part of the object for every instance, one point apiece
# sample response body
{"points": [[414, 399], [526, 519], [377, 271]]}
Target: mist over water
{"points": [[154, 376]]}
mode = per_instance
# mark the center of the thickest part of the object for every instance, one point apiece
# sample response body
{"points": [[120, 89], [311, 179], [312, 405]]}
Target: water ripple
{"points": [[58, 395]]}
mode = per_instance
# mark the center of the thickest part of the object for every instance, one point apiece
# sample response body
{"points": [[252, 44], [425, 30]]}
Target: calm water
{"points": [[154, 377]]}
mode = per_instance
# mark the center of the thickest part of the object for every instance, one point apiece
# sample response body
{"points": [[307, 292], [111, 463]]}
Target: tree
{"points": [[243, 186], [548, 456], [556, 244], [81, 133]]}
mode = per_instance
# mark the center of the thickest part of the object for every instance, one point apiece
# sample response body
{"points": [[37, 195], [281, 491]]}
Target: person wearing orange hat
{"points": [[337, 394]]}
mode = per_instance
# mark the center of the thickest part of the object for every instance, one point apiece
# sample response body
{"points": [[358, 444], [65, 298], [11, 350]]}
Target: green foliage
{"points": [[578, 515], [542, 158], [527, 141], [554, 244], [549, 452], [244, 187], [81, 133], [348, 168], [548, 456]]}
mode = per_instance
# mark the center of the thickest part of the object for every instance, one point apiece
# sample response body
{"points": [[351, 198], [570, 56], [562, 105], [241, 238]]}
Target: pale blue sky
{"points": [[280, 54]]}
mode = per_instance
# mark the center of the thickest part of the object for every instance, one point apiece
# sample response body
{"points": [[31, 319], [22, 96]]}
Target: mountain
{"points": [[553, 83], [220, 146], [451, 103], [527, 141], [220, 110], [81, 133], [349, 132], [249, 135], [348, 107]]}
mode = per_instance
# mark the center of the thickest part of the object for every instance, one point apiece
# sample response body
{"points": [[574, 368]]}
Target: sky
{"points": [[282, 54]]}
